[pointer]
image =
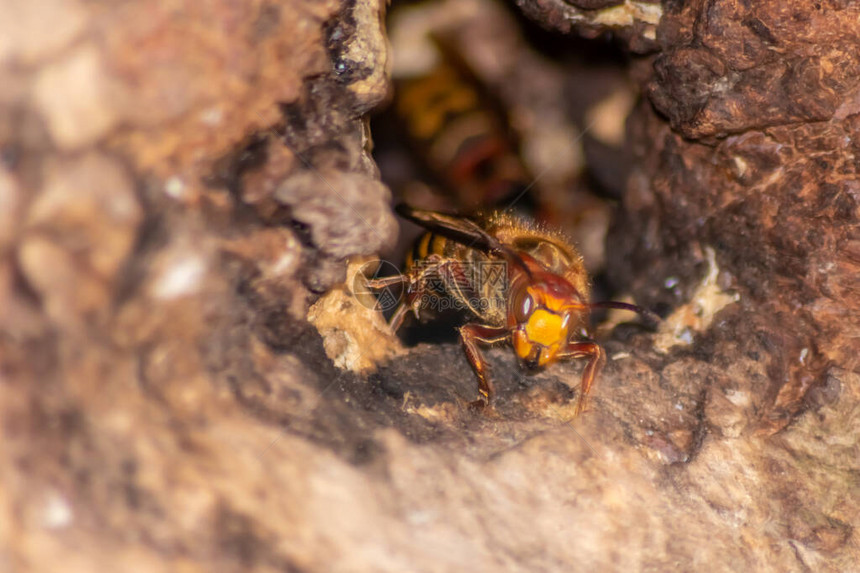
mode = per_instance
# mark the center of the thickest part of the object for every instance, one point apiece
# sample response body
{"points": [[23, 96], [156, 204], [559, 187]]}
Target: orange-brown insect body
{"points": [[541, 308]]}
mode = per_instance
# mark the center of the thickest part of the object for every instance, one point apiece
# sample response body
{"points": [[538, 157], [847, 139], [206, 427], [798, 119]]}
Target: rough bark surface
{"points": [[633, 21], [177, 186], [758, 163]]}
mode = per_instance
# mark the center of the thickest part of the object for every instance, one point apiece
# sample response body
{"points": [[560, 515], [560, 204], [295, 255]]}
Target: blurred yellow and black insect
{"points": [[523, 285], [461, 132]]}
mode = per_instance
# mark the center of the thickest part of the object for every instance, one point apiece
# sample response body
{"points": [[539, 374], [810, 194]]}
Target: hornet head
{"points": [[543, 311]]}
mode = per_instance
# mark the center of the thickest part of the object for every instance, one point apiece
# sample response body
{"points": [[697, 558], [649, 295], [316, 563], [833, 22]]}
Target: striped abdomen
{"points": [[432, 243], [472, 280], [462, 137]]}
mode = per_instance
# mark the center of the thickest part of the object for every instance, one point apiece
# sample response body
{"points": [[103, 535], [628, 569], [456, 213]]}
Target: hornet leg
{"points": [[415, 285], [472, 335], [596, 358], [417, 282]]}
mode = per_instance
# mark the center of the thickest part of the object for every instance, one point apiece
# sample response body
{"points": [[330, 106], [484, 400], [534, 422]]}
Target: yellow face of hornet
{"points": [[543, 314]]}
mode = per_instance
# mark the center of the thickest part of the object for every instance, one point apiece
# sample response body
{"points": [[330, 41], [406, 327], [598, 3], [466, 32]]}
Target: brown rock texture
{"points": [[633, 21], [180, 184], [757, 162]]}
